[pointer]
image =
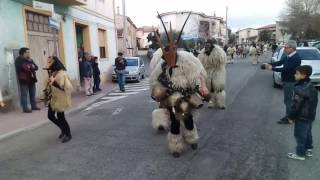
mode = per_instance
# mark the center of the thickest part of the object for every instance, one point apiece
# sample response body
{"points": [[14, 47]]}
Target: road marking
{"points": [[131, 89], [117, 111], [121, 93], [108, 99]]}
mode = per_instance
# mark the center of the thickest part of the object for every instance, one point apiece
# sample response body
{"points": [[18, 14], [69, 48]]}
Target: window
{"points": [[103, 43], [37, 22]]}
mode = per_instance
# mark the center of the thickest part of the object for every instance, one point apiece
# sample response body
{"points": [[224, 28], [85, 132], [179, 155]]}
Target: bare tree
{"points": [[302, 18]]}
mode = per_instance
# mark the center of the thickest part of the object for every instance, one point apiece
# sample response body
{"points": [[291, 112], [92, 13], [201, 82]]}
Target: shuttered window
{"points": [[37, 22], [103, 46]]}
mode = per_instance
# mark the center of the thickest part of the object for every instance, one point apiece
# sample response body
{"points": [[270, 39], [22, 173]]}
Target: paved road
{"points": [[113, 139]]}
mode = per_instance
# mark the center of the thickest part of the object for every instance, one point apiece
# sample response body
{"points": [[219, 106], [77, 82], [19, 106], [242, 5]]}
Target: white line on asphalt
{"points": [[117, 111], [122, 93], [136, 89], [97, 104]]}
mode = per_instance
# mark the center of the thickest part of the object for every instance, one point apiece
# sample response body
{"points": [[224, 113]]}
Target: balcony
{"points": [[73, 2]]}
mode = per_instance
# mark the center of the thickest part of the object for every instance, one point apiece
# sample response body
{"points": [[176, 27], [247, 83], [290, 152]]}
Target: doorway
{"points": [[82, 44]]}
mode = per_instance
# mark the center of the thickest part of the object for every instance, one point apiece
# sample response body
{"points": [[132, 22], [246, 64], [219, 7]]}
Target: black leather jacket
{"points": [[305, 101]]}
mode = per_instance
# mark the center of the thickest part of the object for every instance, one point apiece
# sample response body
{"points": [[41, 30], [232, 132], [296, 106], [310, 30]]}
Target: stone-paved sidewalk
{"points": [[15, 121]]}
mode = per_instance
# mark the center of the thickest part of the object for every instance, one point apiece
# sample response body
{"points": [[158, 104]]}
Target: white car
{"points": [[135, 70], [309, 56]]}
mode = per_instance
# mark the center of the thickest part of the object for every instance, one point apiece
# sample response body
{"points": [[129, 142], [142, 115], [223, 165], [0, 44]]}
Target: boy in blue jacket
{"points": [[303, 112]]}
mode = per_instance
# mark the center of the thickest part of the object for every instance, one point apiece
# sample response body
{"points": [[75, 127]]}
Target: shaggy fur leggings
{"points": [[188, 123], [59, 121]]}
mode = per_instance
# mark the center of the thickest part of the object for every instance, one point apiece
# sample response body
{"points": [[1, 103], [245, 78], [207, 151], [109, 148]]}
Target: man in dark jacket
{"points": [[96, 74], [26, 73], [87, 74], [303, 112], [121, 64], [290, 63]]}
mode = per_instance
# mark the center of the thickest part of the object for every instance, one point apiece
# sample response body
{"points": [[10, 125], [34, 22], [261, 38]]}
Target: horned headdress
{"points": [[170, 50]]}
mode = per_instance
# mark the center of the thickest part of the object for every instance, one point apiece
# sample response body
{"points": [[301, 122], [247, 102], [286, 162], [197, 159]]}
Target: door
{"points": [[41, 48]]}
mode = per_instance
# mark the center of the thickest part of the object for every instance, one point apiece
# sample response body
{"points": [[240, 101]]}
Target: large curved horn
{"points": [[179, 37], [165, 29]]}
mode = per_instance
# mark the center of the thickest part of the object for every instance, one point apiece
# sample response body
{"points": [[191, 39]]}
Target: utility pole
{"points": [[227, 33], [124, 26]]}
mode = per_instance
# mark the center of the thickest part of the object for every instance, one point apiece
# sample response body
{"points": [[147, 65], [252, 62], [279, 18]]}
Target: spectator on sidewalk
{"points": [[26, 73], [303, 112], [290, 63], [60, 98], [96, 74], [81, 64], [87, 74], [121, 64]]}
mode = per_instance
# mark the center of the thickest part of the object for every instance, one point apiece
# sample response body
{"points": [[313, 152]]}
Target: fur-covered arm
{"points": [[63, 82]]}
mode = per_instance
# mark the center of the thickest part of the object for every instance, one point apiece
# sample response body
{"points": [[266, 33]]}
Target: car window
{"points": [[280, 55], [132, 62], [309, 54]]}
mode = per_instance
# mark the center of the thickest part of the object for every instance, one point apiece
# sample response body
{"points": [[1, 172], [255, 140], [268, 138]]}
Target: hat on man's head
{"points": [[305, 69]]}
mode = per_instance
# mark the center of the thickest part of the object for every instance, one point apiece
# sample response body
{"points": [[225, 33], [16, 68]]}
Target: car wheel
{"points": [[142, 76], [275, 85]]}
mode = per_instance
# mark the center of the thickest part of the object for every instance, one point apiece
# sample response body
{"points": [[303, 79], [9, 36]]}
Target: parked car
{"points": [[317, 45], [135, 70], [276, 52], [309, 56]]}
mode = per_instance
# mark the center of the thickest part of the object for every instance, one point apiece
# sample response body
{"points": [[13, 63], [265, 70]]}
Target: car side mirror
{"points": [[142, 65]]}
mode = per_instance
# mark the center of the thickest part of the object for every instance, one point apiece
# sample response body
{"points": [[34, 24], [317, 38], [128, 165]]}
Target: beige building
{"points": [[199, 25], [142, 36], [129, 47], [247, 36], [270, 28]]}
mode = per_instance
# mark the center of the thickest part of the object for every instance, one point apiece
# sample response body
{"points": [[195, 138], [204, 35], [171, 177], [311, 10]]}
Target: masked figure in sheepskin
{"points": [[214, 59], [177, 83]]}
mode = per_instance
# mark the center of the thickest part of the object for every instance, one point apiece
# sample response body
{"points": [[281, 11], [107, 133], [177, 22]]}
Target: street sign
{"points": [[43, 6], [53, 22]]}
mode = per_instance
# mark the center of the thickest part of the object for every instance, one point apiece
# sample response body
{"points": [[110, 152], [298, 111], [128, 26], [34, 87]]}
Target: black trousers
{"points": [[96, 82], [59, 121]]}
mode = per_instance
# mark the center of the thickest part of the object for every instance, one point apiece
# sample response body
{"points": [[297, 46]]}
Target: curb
{"points": [[44, 122]]}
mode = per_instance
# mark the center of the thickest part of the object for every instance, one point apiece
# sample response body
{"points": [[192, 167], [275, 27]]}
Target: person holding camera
{"points": [[289, 63]]}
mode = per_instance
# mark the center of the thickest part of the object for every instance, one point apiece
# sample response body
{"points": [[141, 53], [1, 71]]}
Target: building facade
{"points": [[73, 23], [247, 36], [199, 26], [269, 28], [130, 46], [142, 36], [282, 35]]}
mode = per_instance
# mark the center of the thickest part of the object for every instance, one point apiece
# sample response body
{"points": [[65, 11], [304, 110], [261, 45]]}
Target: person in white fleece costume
{"points": [[178, 96], [213, 58]]}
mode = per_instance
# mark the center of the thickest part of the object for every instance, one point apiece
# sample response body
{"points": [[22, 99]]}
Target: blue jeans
{"points": [[121, 80], [288, 94], [303, 136], [26, 90]]}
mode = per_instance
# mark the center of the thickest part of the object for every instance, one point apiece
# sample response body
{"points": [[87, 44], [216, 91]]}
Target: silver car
{"points": [[135, 70], [309, 56]]}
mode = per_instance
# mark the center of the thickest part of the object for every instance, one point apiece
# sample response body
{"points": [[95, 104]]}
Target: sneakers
{"points": [[309, 153], [296, 157]]}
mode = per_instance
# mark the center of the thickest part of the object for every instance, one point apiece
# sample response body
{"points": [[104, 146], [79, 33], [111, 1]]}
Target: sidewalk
{"points": [[15, 121]]}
